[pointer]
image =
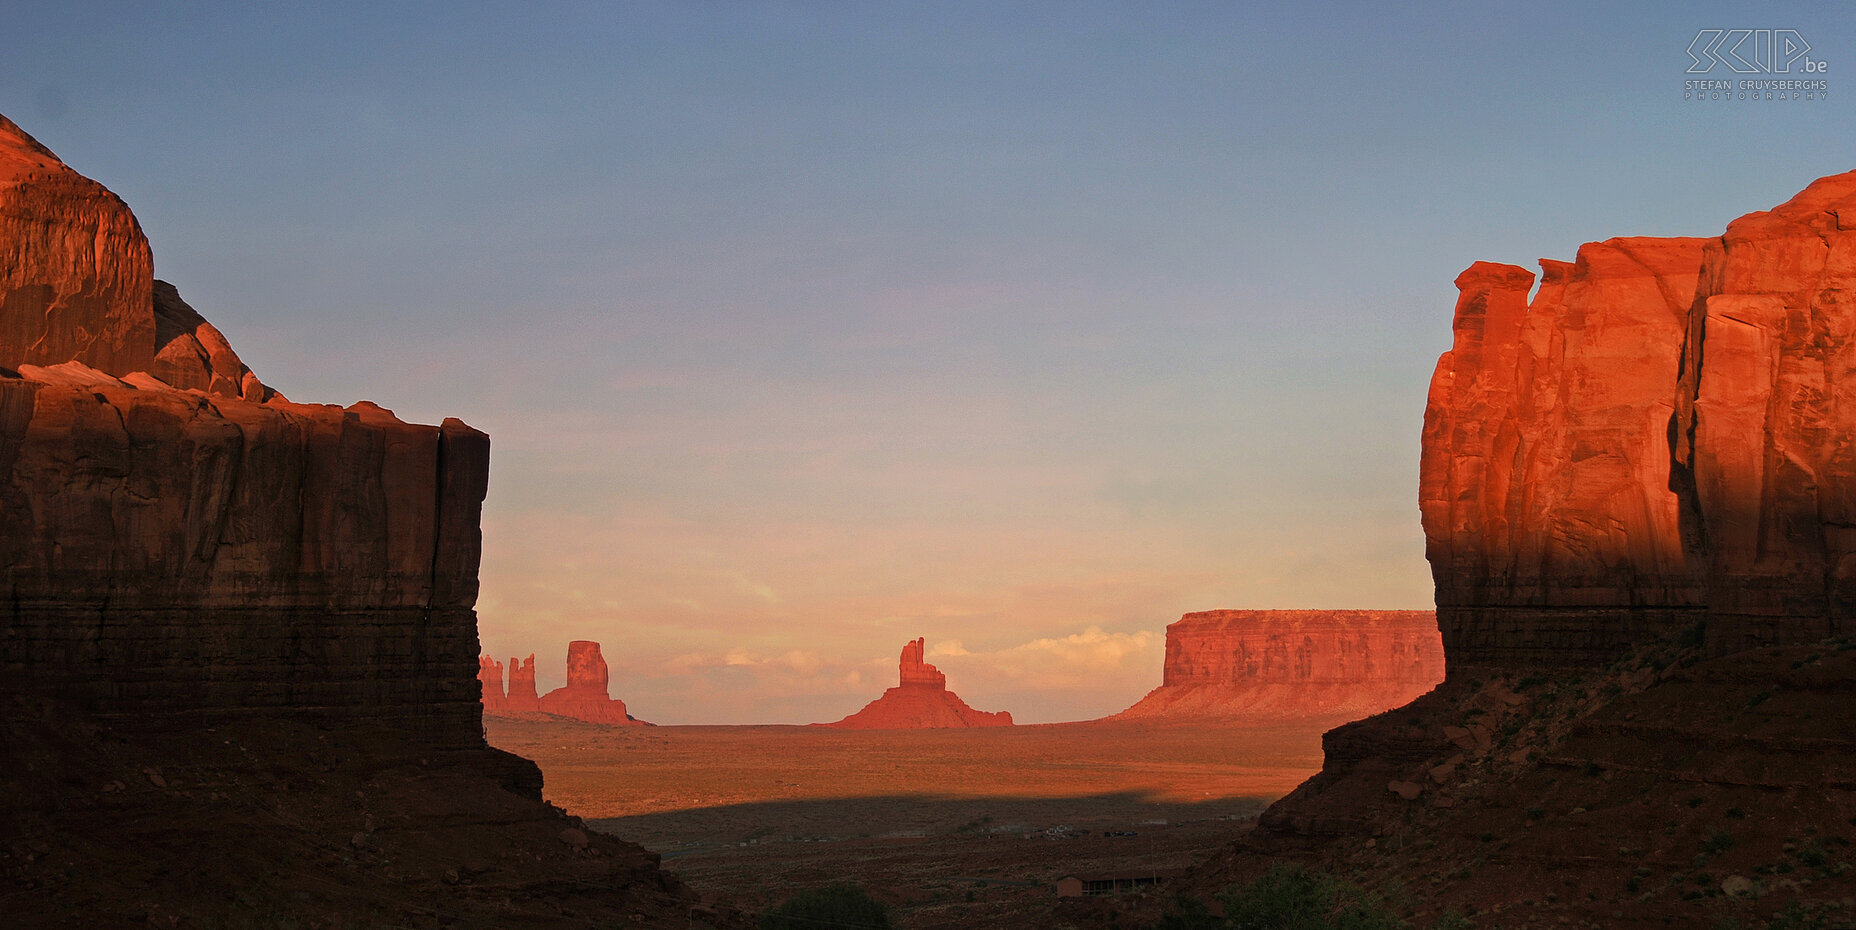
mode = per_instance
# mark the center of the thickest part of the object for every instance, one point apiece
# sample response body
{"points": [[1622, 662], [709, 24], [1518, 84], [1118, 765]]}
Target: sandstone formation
{"points": [[1544, 483], [490, 679], [1657, 438], [181, 546], [181, 541], [1293, 664], [586, 695], [1765, 427], [920, 702], [522, 698], [76, 273]]}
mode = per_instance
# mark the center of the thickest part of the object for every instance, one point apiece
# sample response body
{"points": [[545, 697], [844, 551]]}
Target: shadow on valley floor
{"points": [[954, 828], [915, 816], [939, 861]]}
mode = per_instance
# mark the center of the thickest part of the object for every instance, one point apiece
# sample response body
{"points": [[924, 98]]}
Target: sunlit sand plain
{"points": [[955, 827]]}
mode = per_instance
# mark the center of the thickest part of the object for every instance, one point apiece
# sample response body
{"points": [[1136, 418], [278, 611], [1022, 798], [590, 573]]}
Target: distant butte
{"points": [[920, 702], [586, 696], [1293, 665]]}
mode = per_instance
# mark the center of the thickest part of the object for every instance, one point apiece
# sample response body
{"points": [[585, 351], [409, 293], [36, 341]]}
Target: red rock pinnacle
{"points": [[920, 702], [522, 699], [585, 696], [915, 672], [490, 675]]}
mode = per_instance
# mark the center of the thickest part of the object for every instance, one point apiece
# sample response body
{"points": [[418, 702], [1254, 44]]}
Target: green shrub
{"points": [[844, 906], [1291, 897], [1189, 914]]}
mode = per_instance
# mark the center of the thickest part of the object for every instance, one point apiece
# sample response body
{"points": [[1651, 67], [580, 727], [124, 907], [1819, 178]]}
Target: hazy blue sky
{"points": [[802, 330]]}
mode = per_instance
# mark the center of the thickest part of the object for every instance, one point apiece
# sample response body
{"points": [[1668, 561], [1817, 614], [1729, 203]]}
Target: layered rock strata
{"points": [[921, 701], [1657, 437], [1549, 522], [1293, 664], [587, 694], [181, 542], [1765, 425]]}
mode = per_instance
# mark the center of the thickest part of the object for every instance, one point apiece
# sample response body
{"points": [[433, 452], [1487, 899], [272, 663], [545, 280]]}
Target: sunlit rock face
{"points": [[1661, 435], [586, 696], [75, 269], [1293, 664], [490, 681], [920, 702], [180, 541], [522, 698], [1765, 427], [1551, 529]]}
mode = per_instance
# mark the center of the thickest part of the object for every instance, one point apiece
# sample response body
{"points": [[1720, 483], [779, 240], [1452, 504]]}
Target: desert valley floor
{"points": [[956, 827]]}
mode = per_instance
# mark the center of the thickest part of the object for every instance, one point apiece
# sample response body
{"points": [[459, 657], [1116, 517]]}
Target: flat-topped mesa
{"points": [[1293, 664], [1765, 415], [586, 695], [1550, 526], [920, 701], [181, 542]]}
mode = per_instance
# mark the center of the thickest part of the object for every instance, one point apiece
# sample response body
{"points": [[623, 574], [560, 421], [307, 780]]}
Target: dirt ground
{"points": [[954, 828]]}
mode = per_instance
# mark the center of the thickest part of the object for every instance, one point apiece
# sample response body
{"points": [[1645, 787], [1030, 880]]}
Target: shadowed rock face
{"points": [[183, 542], [1279, 664], [586, 695], [920, 702], [1765, 457], [1659, 436]]}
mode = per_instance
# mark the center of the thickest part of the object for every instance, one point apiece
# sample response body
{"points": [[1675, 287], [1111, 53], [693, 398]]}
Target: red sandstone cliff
{"points": [[180, 539], [920, 702], [587, 695], [1765, 427], [1544, 482], [1284, 664], [1659, 436], [75, 270]]}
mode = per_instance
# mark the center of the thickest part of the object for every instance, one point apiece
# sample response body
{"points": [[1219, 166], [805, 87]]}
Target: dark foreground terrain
{"points": [[288, 826], [953, 828], [1667, 789]]}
